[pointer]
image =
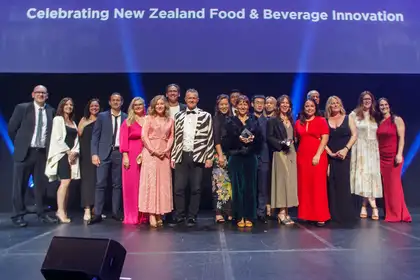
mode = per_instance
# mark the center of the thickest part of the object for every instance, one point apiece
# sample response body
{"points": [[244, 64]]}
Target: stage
{"points": [[370, 250]]}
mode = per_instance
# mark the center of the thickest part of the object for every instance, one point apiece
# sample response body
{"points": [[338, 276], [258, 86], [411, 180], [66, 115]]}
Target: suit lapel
{"points": [[31, 114], [282, 129], [49, 114], [110, 122], [199, 121], [181, 127]]}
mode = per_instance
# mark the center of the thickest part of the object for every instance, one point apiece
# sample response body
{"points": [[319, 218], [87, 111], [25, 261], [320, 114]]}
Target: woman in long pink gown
{"points": [[156, 179], [390, 134], [131, 146]]}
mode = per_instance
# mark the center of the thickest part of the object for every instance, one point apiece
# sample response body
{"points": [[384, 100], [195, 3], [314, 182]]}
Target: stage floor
{"points": [[370, 250]]}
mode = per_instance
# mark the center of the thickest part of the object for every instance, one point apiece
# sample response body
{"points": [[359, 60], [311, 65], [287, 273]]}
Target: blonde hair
{"points": [[328, 106], [131, 114], [152, 111]]}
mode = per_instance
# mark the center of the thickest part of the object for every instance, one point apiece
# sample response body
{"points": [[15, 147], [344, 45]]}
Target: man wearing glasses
{"points": [[30, 129]]}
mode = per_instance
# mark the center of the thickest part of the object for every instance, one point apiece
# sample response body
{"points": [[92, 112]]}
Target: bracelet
{"points": [[347, 148]]}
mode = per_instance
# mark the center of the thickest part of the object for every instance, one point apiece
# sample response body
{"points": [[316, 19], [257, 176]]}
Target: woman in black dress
{"points": [[342, 137], [63, 155], [87, 169], [243, 142]]}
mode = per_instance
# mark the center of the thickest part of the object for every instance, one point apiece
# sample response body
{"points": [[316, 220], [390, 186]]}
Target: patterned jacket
{"points": [[203, 142]]}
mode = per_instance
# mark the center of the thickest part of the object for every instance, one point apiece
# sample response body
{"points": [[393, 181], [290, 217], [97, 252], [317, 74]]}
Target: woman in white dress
{"points": [[365, 173]]}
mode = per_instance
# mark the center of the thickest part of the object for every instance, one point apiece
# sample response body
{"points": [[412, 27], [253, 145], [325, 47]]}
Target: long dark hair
{"points": [[218, 99], [302, 115], [381, 116], [86, 111], [60, 109], [289, 114]]}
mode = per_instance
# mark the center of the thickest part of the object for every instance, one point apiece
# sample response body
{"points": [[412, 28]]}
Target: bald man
{"points": [[30, 129]]}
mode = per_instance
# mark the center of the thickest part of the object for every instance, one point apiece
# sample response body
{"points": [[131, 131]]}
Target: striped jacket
{"points": [[203, 142]]}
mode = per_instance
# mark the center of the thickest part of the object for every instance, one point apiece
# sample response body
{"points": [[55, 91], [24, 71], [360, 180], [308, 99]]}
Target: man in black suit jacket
{"points": [[105, 149], [30, 130], [264, 183]]}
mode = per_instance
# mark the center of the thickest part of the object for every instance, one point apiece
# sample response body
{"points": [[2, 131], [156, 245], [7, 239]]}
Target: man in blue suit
{"points": [[105, 149], [264, 182]]}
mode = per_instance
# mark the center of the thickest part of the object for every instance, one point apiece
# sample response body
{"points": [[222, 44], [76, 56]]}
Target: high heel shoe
{"points": [[87, 216], [282, 219], [159, 221], [363, 212], [375, 213], [62, 218], [152, 221]]}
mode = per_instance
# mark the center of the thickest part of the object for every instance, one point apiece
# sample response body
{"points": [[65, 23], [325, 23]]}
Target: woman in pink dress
{"points": [[390, 134], [156, 177], [131, 146]]}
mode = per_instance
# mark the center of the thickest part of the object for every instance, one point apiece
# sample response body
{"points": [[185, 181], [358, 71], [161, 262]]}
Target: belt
{"points": [[37, 148], [115, 148]]}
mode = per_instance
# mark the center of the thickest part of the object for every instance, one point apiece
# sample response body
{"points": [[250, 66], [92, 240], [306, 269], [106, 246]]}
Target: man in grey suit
{"points": [[105, 149], [30, 131]]}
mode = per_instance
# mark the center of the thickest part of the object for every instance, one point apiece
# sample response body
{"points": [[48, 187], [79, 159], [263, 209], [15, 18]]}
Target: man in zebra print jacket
{"points": [[192, 151]]}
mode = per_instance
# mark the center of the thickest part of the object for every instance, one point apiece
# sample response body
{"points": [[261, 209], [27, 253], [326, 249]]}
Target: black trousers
{"points": [[264, 185], [187, 173], [113, 165], [34, 164]]}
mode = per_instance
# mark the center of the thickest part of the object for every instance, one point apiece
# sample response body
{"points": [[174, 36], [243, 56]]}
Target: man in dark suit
{"points": [[264, 183], [233, 100], [30, 130], [105, 149]]}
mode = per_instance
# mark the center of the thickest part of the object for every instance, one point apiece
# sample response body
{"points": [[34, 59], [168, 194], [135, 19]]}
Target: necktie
{"points": [[38, 142], [114, 136], [191, 112]]}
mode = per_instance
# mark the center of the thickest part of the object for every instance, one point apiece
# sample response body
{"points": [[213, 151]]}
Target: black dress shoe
{"points": [[263, 219], [118, 218], [191, 222], [19, 222], [47, 219], [176, 222], [94, 220]]}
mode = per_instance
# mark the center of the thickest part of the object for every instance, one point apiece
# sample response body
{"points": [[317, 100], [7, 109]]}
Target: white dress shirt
{"points": [[44, 127], [117, 138], [234, 111], [190, 123]]}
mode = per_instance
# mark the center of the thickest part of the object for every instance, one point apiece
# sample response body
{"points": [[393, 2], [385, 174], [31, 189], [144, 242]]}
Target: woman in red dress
{"points": [[391, 132], [312, 135]]}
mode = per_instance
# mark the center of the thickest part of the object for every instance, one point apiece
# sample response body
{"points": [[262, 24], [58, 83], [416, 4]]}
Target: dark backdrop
{"points": [[400, 89]]}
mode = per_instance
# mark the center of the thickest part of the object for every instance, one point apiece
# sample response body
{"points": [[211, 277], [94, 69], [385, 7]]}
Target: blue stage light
{"points": [[412, 152], [9, 144]]}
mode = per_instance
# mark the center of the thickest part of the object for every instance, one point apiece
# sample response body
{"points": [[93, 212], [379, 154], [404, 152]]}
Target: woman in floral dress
{"points": [[222, 189]]}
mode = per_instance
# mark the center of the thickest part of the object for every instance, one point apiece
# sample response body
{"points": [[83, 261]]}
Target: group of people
{"points": [[262, 160]]}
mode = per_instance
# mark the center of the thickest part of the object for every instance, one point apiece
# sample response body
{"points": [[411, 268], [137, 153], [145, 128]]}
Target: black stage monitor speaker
{"points": [[73, 258]]}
